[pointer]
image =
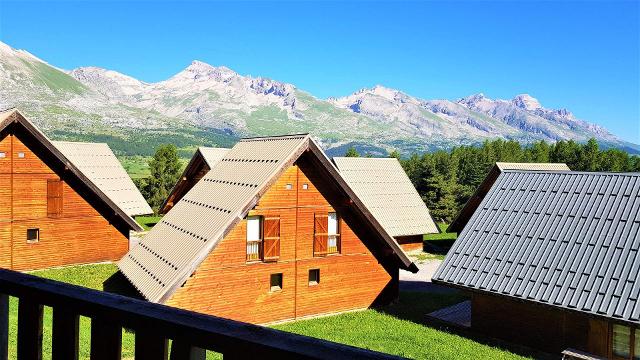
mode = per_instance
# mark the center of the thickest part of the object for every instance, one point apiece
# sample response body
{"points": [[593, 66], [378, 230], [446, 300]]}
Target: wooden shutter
{"points": [[320, 235], [271, 238], [54, 198]]}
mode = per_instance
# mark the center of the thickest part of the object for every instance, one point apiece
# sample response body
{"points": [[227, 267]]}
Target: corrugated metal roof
{"points": [[471, 205], [212, 155], [175, 246], [100, 165], [386, 190], [567, 239], [13, 116]]}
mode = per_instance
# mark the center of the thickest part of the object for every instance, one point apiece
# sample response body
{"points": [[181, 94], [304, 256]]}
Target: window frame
{"points": [[37, 238], [315, 282], [276, 288], [259, 242], [634, 332], [337, 235]]}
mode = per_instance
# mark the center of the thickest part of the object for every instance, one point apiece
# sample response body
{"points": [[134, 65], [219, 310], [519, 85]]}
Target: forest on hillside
{"points": [[446, 179]]}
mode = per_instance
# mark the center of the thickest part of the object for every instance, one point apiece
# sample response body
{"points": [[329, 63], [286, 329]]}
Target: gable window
{"points": [[305, 186], [276, 282], [3, 154], [326, 234], [33, 235], [289, 186], [625, 342], [54, 198], [21, 155], [314, 277], [254, 238]]}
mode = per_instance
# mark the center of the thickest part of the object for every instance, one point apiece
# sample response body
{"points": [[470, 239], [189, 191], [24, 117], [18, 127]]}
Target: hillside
{"points": [[208, 105]]}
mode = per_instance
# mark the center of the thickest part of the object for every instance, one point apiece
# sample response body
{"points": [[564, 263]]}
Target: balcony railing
{"points": [[153, 324]]}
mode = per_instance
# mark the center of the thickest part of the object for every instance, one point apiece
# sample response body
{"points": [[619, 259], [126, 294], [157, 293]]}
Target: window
{"points": [[33, 235], [314, 277], [326, 234], [21, 155], [625, 342], [54, 198], [333, 233], [3, 154], [276, 282], [305, 186], [289, 186], [254, 238]]}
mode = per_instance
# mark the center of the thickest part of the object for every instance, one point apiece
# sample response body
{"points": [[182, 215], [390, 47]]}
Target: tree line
{"points": [[445, 179]]}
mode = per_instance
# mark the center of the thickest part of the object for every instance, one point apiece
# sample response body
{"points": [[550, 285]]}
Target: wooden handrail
{"points": [[153, 324]]}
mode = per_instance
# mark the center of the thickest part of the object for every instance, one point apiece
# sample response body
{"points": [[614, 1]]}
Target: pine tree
{"points": [[165, 171], [352, 152]]}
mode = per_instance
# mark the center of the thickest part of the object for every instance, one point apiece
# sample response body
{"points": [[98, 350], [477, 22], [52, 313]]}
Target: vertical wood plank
{"points": [[150, 346], [183, 351], [106, 340], [66, 327], [4, 327], [29, 330]]}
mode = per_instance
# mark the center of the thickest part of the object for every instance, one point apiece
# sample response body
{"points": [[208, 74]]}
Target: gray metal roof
{"points": [[212, 155], [176, 246], [567, 239], [100, 165], [472, 204], [388, 193]]}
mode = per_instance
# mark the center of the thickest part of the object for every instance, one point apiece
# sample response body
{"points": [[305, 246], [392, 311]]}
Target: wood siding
{"points": [[408, 243], [71, 230], [226, 285], [538, 326]]}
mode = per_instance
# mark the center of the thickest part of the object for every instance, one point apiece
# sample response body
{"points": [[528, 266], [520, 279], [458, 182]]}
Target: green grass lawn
{"points": [[398, 329], [443, 234], [147, 222]]}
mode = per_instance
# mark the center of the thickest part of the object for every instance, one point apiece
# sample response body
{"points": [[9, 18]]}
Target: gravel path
{"points": [[421, 281]]}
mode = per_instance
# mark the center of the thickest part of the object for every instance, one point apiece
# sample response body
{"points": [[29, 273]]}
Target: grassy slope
{"points": [[443, 234], [397, 329], [147, 222]]}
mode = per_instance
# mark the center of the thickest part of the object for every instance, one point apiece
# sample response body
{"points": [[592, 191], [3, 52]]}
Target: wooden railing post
{"points": [[106, 340], [150, 346], [66, 326], [183, 351], [29, 330], [4, 327]]}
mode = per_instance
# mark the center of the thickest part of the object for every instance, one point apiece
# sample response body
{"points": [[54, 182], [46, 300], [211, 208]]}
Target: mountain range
{"points": [[208, 105]]}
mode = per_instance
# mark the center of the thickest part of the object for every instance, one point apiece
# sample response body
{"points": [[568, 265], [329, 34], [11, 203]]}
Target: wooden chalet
{"points": [[201, 162], [474, 201], [54, 210], [386, 190], [551, 260], [272, 232]]}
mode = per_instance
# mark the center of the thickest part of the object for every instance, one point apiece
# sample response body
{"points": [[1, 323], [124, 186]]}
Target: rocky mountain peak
{"points": [[526, 102]]}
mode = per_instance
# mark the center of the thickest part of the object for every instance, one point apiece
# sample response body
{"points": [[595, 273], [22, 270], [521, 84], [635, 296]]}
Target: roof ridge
{"points": [[274, 137], [572, 172]]}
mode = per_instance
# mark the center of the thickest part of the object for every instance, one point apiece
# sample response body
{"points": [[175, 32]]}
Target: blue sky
{"points": [[583, 56]]}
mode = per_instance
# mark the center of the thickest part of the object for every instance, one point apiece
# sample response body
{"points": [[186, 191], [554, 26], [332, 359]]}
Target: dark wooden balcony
{"points": [[155, 326]]}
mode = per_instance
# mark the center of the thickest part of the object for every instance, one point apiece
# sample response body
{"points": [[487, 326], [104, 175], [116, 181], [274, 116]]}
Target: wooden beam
{"points": [[66, 325], [106, 340], [151, 346], [181, 350], [29, 330]]}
